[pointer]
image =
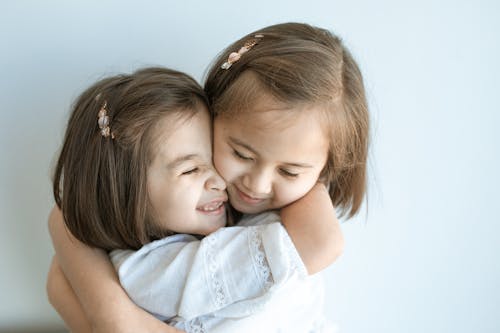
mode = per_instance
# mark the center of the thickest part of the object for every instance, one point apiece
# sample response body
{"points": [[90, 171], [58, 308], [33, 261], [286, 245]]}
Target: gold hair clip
{"points": [[235, 56], [103, 121]]}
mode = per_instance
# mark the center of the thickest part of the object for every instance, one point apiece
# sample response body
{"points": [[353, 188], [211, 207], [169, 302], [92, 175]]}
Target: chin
{"points": [[211, 230], [245, 209], [218, 225]]}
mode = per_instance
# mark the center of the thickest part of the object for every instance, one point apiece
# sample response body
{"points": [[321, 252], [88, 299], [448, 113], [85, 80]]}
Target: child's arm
{"points": [[182, 276], [63, 299], [96, 287], [314, 229], [189, 278]]}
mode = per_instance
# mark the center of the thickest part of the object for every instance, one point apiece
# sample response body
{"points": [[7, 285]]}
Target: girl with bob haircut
{"points": [[112, 138], [290, 120], [299, 71]]}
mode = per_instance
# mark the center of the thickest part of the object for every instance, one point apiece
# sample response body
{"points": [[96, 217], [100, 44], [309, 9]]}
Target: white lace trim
{"points": [[215, 272], [260, 260]]}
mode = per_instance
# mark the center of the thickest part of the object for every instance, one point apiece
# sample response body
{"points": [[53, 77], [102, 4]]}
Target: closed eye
{"points": [[190, 171], [288, 174], [241, 156]]}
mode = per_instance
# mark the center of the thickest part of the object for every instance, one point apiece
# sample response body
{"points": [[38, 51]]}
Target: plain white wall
{"points": [[425, 258]]}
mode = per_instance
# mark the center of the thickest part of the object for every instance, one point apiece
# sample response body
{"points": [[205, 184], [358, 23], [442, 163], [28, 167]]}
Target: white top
{"points": [[238, 279]]}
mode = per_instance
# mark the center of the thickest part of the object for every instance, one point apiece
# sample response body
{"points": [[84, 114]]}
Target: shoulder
{"points": [[163, 245]]}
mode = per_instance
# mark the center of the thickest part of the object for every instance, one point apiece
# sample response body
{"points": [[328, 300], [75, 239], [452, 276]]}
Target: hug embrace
{"points": [[214, 209]]}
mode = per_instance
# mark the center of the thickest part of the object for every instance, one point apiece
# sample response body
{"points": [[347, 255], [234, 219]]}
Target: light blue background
{"points": [[425, 258]]}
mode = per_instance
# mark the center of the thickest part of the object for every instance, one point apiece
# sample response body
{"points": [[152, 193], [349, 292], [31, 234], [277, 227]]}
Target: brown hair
{"points": [[100, 183], [298, 64]]}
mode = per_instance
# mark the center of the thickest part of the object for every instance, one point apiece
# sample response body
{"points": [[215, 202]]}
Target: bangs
{"points": [[241, 96]]}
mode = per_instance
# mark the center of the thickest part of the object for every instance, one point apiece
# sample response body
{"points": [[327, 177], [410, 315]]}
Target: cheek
{"points": [[224, 163], [177, 209], [220, 163], [289, 192]]}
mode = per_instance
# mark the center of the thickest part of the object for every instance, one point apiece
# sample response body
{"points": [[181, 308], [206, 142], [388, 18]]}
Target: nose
{"points": [[258, 181], [215, 182]]}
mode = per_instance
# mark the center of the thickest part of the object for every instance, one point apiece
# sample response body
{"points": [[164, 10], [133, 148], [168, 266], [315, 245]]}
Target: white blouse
{"points": [[244, 278]]}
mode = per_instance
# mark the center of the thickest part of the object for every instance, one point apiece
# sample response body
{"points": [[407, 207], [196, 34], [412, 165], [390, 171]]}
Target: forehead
{"points": [[183, 134]]}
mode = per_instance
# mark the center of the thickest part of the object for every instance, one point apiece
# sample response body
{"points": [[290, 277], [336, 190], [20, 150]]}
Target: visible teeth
{"points": [[211, 207]]}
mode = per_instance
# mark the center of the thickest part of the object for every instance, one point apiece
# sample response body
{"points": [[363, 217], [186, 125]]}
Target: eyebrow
{"points": [[181, 159], [247, 146]]}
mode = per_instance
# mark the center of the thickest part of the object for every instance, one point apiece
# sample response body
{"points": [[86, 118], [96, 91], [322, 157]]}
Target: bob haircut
{"points": [[100, 183]]}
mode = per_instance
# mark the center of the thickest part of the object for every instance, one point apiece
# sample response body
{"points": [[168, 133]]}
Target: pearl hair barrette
{"points": [[235, 56], [103, 122]]}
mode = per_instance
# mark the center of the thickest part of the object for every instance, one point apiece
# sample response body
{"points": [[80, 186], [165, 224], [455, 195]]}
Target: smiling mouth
{"points": [[212, 208], [247, 198]]}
